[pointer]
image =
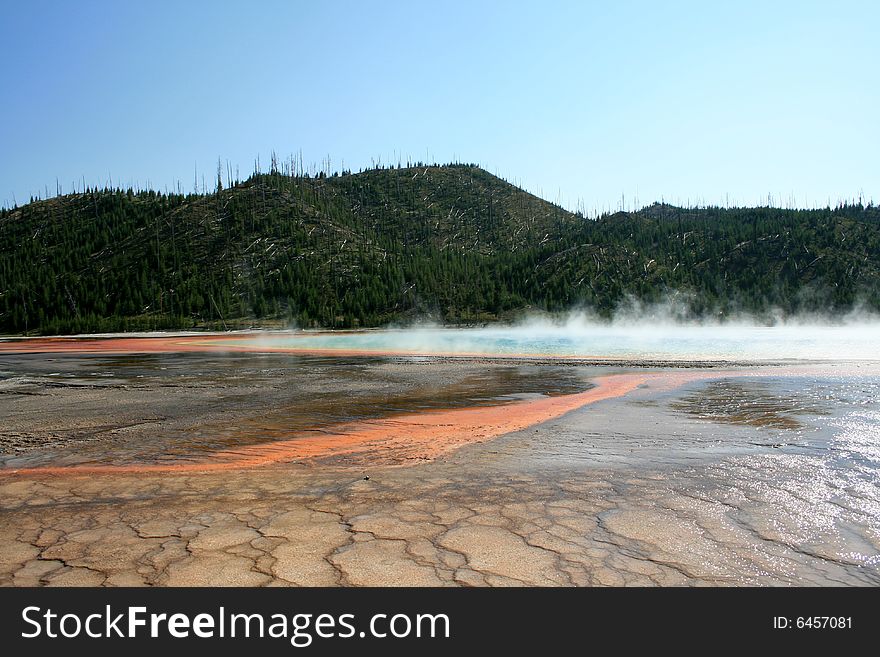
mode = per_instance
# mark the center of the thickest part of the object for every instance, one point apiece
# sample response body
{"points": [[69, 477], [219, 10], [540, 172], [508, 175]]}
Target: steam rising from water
{"points": [[655, 333]]}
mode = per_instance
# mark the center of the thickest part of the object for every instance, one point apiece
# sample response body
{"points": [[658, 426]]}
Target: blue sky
{"points": [[592, 103]]}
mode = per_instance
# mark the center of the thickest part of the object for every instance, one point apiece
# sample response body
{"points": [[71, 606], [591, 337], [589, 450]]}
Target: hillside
{"points": [[452, 242]]}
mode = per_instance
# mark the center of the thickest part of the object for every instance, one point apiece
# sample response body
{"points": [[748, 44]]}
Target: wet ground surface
{"points": [[68, 409], [759, 476]]}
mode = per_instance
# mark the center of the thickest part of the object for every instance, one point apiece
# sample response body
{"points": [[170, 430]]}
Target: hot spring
{"points": [[642, 342]]}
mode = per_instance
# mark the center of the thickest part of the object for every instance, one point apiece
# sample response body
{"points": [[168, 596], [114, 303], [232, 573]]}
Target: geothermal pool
{"points": [[643, 343], [536, 455]]}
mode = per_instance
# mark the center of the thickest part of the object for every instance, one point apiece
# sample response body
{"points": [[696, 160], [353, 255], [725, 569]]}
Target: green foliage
{"points": [[452, 242]]}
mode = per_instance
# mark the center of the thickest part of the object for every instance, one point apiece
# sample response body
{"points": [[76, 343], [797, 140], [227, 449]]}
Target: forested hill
{"points": [[451, 242]]}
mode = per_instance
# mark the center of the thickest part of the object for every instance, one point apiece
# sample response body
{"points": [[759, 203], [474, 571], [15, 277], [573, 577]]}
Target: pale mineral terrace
{"points": [[640, 487]]}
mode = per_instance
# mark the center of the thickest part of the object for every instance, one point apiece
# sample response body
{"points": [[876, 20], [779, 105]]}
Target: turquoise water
{"points": [[643, 342]]}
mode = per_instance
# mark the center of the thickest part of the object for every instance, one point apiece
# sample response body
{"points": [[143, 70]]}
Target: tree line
{"points": [[452, 242]]}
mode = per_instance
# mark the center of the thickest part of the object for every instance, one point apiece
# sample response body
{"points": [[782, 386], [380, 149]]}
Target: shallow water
{"points": [[753, 474], [148, 408]]}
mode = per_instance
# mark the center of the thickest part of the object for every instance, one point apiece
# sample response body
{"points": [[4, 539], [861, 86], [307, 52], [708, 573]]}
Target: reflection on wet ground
{"points": [[157, 407], [764, 476], [751, 403]]}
